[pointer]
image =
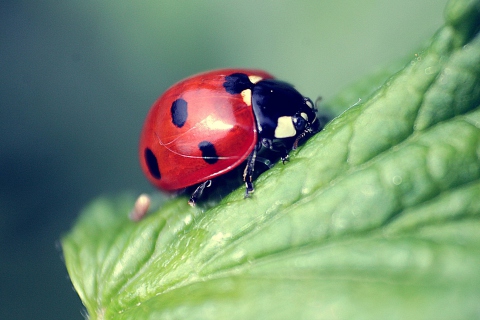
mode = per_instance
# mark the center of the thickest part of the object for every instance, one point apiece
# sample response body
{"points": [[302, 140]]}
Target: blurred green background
{"points": [[78, 77]]}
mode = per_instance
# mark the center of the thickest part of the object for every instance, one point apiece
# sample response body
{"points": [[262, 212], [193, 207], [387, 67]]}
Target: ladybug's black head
{"points": [[281, 112], [305, 121]]}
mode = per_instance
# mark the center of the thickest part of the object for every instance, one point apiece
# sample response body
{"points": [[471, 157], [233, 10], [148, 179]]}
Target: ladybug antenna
{"points": [[317, 102]]}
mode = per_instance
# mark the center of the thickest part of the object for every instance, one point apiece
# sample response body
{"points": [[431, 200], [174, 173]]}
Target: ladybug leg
{"points": [[282, 149], [268, 143], [285, 157], [198, 192], [265, 162], [248, 173]]}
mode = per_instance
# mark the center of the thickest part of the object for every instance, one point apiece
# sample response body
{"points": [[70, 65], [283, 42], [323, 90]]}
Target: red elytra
{"points": [[198, 110]]}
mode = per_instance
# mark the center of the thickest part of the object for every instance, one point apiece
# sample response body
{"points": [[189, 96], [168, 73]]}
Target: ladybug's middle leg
{"points": [[248, 173]]}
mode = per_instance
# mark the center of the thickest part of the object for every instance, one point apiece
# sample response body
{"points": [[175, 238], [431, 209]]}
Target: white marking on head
{"points": [[254, 79], [309, 103], [304, 116], [247, 96], [285, 128]]}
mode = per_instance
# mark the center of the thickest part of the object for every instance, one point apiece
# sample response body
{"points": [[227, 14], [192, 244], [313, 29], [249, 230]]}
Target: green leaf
{"points": [[375, 217]]}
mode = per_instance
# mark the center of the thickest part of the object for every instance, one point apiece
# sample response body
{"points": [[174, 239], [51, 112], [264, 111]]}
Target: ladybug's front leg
{"points": [[248, 173], [284, 155], [278, 147]]}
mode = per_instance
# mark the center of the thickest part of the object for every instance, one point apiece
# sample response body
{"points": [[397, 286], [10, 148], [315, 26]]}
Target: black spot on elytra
{"points": [[209, 154], [236, 83], [179, 112], [152, 164]]}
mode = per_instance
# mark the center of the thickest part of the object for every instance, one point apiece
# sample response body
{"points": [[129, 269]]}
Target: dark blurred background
{"points": [[78, 77]]}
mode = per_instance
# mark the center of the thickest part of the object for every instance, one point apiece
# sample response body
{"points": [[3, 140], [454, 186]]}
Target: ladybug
{"points": [[212, 122]]}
